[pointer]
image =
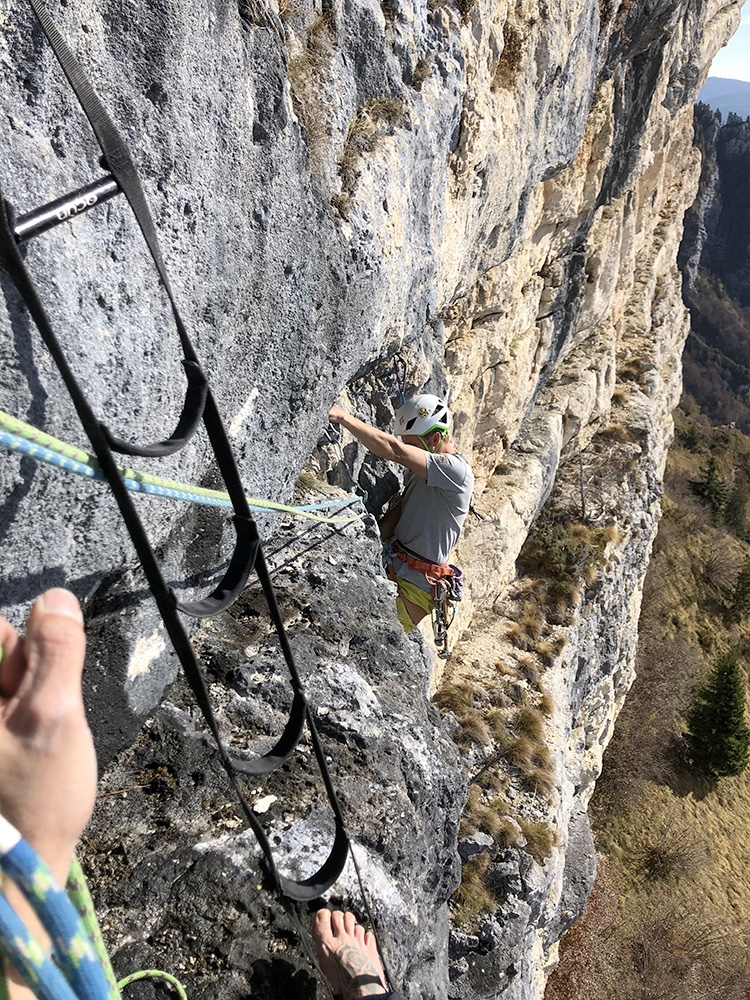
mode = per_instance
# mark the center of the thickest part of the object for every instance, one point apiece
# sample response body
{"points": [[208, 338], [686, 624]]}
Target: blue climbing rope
{"points": [[79, 975], [82, 464]]}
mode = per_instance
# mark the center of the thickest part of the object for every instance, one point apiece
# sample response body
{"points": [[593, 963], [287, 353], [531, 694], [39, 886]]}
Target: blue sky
{"points": [[733, 61]]}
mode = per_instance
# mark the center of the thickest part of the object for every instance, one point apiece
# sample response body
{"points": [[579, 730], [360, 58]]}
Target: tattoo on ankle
{"points": [[360, 975]]}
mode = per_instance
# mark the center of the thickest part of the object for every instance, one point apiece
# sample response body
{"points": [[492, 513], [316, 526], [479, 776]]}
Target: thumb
{"points": [[48, 665]]}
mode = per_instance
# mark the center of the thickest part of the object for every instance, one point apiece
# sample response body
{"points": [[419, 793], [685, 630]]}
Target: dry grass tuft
{"points": [[540, 839], [472, 897], [547, 652], [528, 667], [505, 668], [456, 698], [306, 72], [613, 534], [343, 203], [474, 729], [498, 723], [518, 695], [532, 619], [547, 704], [514, 633], [590, 574], [372, 121], [530, 721], [521, 752], [508, 832], [289, 9], [541, 781], [461, 700]]}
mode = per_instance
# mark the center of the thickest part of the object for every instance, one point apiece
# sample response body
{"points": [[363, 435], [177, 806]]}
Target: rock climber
{"points": [[48, 786], [423, 526]]}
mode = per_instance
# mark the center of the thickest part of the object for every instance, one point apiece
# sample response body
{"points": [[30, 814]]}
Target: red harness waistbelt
{"points": [[430, 569]]}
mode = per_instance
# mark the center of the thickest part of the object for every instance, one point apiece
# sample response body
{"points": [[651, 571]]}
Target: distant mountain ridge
{"points": [[726, 95]]}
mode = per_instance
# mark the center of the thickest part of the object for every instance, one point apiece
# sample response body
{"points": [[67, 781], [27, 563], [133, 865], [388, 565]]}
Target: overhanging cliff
{"points": [[495, 191]]}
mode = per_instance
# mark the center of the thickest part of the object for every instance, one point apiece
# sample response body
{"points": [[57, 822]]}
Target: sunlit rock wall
{"points": [[496, 192]]}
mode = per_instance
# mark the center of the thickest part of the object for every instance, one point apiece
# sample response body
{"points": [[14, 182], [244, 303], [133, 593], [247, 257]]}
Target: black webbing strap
{"points": [[247, 550], [190, 418], [233, 582], [309, 888], [198, 401], [283, 749], [121, 166]]}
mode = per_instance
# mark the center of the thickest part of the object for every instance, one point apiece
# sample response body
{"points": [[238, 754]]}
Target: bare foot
{"points": [[348, 956]]}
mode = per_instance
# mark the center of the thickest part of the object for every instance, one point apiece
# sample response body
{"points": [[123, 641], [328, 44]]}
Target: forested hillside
{"points": [[669, 916], [715, 260]]}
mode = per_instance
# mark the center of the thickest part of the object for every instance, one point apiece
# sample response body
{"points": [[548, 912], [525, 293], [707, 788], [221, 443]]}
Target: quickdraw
{"points": [[399, 372]]}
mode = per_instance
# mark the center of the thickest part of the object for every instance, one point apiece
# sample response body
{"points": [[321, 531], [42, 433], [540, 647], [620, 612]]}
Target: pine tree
{"points": [[711, 489], [739, 598], [735, 512], [717, 735]]}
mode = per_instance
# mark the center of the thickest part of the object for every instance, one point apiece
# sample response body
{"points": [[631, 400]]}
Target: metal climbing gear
{"points": [[399, 372], [447, 589]]}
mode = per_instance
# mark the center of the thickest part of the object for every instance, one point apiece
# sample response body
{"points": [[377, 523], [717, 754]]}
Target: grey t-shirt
{"points": [[433, 511]]}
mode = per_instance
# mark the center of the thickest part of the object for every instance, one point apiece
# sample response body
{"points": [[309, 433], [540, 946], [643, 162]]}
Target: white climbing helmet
{"points": [[422, 415]]}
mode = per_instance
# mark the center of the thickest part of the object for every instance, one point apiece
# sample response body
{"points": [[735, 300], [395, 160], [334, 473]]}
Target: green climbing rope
{"points": [[158, 975], [80, 896], [15, 435]]}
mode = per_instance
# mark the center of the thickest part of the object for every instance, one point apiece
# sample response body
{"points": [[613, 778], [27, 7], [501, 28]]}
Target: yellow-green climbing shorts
{"points": [[412, 593]]}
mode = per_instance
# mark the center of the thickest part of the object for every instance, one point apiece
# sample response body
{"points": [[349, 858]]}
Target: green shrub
{"points": [[564, 553], [735, 511], [739, 596]]}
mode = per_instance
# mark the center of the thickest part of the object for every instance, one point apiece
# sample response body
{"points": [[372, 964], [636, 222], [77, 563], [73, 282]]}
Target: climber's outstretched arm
{"points": [[412, 456]]}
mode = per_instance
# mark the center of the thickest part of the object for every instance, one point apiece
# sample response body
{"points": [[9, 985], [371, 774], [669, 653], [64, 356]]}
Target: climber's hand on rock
{"points": [[336, 414]]}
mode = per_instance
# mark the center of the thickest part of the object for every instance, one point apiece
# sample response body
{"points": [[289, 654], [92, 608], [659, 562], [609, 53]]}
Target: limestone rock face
{"points": [[494, 191], [716, 226]]}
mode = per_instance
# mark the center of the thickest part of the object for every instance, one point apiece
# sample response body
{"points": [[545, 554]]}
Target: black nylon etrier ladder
{"points": [[199, 406]]}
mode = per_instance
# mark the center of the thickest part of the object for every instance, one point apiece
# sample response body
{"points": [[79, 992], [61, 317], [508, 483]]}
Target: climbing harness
{"points": [[199, 407], [20, 437], [446, 586]]}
